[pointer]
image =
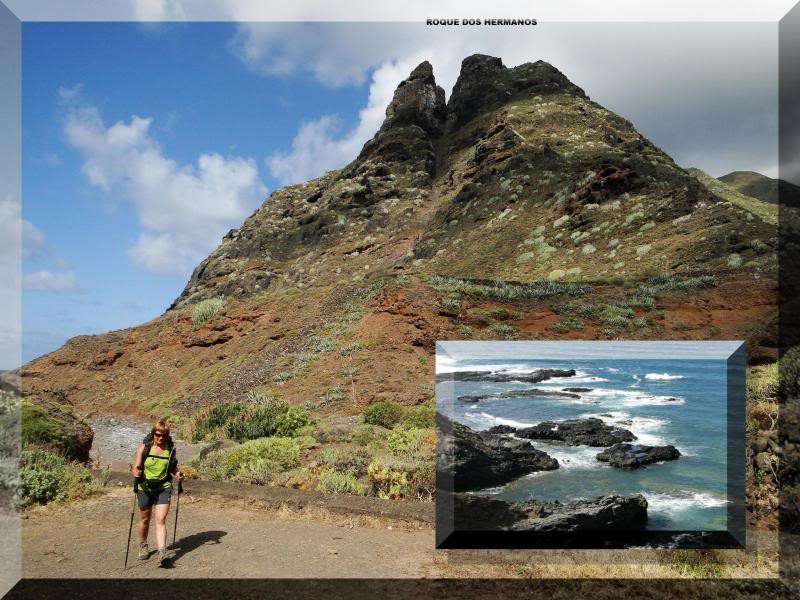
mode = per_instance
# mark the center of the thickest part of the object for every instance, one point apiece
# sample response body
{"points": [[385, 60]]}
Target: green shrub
{"points": [[616, 315], [291, 422], [384, 413], [274, 417], [351, 349], [334, 482], [321, 344], [38, 486], [350, 460], [680, 283], [405, 442], [504, 330], [215, 418], [387, 482], [422, 416], [350, 371], [282, 377], [353, 312], [465, 331], [302, 361], [565, 324], [451, 305], [38, 427], [423, 479], [206, 309], [502, 290], [260, 397], [48, 477], [333, 395], [363, 435], [255, 461], [333, 433], [261, 416]]}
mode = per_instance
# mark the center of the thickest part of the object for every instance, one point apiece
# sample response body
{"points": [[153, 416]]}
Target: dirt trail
{"points": [[219, 538]]}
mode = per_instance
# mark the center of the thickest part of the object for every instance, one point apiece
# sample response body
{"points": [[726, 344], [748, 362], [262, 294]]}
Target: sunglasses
{"points": [[159, 434]]}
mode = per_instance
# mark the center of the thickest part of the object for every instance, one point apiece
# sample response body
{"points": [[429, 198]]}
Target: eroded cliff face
{"points": [[518, 177]]}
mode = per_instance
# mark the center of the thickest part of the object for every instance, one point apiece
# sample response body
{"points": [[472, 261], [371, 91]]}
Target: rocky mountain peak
{"points": [[418, 101], [485, 83]]}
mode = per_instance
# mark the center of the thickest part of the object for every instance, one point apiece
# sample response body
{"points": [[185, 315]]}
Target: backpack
{"points": [[173, 461]]}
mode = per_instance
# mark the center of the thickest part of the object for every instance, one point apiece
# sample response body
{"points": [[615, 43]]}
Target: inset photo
{"points": [[597, 444]]}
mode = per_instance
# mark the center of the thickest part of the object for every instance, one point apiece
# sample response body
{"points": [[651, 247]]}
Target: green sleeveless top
{"points": [[156, 466]]}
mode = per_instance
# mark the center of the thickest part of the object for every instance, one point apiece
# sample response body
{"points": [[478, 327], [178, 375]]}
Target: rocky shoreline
{"points": [[601, 513], [480, 459], [517, 394], [504, 377], [574, 432]]}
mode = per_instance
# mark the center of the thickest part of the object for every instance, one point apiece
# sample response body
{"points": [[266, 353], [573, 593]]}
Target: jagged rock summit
{"points": [[484, 83]]}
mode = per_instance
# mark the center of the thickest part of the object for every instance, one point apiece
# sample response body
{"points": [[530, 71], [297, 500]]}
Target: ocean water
{"points": [[685, 494]]}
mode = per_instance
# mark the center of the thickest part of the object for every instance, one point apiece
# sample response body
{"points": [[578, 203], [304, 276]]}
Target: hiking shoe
{"points": [[144, 551], [164, 556]]}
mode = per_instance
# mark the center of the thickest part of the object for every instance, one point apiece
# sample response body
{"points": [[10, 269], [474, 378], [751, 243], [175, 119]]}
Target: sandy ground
{"points": [[221, 539]]}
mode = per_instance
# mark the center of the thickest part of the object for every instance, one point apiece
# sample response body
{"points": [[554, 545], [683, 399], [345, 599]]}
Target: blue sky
{"points": [[143, 144], [201, 99]]}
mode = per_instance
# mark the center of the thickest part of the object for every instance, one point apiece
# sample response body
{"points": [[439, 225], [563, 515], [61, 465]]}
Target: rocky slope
{"points": [[517, 209]]}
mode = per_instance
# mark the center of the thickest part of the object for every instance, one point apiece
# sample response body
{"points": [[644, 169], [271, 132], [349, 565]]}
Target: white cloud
{"points": [[158, 10], [50, 281], [320, 145], [335, 54], [18, 237], [183, 209]]}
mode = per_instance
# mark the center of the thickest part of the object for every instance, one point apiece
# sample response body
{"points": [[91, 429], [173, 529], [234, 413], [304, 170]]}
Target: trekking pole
{"points": [[130, 529], [177, 508]]}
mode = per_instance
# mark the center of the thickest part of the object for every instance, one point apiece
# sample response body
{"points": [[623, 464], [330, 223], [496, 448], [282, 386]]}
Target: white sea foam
{"points": [[571, 381], [681, 500], [662, 376], [611, 369], [486, 420], [641, 427], [571, 457], [648, 400], [630, 397]]}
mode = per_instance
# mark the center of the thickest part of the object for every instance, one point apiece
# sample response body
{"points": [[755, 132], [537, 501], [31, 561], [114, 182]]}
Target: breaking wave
{"points": [[681, 500], [485, 420], [662, 376], [631, 397], [571, 457]]}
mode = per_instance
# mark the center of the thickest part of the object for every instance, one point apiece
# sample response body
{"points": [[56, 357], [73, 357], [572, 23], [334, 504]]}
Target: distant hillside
{"points": [[762, 187], [768, 212]]}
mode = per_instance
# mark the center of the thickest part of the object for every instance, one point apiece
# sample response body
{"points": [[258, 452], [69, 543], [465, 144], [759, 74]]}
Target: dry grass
{"points": [[609, 564]]}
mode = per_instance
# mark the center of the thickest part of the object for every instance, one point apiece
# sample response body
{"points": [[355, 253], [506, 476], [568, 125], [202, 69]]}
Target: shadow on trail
{"points": [[194, 541]]}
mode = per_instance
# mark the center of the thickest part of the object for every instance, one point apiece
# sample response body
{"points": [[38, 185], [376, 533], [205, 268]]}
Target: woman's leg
{"points": [[144, 523], [161, 511]]}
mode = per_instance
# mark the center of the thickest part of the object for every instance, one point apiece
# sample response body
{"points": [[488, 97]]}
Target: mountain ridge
{"points": [[520, 179]]}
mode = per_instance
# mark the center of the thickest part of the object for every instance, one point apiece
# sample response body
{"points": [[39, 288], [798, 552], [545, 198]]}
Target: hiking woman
{"points": [[153, 467]]}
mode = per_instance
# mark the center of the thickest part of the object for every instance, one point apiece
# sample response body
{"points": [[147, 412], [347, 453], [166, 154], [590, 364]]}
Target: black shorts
{"points": [[147, 499]]}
